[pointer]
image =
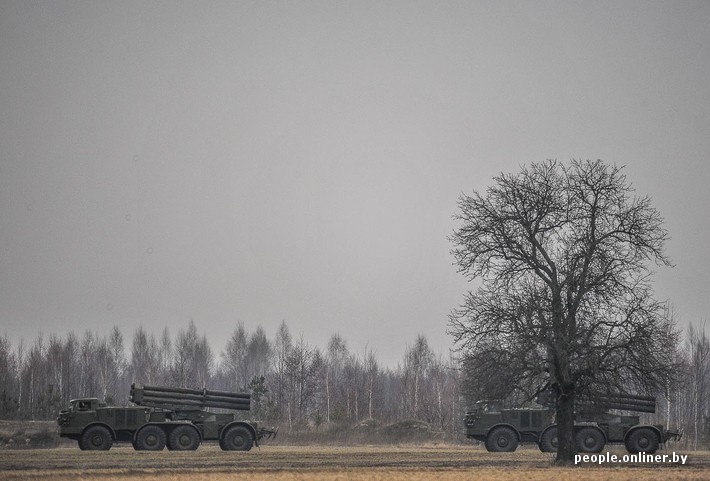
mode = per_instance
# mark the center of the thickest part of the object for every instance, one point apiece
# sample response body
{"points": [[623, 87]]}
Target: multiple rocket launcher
{"points": [[163, 416]]}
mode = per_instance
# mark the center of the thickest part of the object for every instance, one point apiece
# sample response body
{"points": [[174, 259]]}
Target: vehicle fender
{"points": [[239, 423], [650, 426], [103, 425], [577, 427], [517, 433], [542, 433], [175, 425]]}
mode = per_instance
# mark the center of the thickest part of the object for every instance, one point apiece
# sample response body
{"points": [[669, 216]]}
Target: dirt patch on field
{"points": [[383, 474]]}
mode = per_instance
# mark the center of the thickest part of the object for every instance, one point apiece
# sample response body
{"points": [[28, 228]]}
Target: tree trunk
{"points": [[565, 425]]}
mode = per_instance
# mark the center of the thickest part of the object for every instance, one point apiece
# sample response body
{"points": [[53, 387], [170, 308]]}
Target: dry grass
{"points": [[382, 474], [282, 463]]}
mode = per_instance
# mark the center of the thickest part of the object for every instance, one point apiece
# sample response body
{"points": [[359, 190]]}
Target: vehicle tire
{"points": [[589, 440], [237, 438], [96, 438], [642, 440], [549, 441], [502, 440], [150, 438], [183, 438]]}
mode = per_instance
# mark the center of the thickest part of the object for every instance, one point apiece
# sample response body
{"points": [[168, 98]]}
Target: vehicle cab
{"points": [[481, 416], [79, 413], [85, 404]]}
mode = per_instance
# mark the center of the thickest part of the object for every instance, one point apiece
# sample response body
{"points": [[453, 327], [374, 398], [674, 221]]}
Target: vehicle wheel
{"points": [[642, 440], [183, 438], [549, 441], [81, 444], [150, 438], [96, 438], [589, 440], [237, 438], [502, 440]]}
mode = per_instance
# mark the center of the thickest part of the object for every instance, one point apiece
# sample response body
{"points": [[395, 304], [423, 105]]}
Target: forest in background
{"points": [[294, 385], [303, 388]]}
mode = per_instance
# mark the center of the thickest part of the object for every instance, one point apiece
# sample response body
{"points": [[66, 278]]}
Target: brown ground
{"points": [[276, 463]]}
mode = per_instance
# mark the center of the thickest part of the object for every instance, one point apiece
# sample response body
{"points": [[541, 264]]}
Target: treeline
{"points": [[688, 400], [684, 403], [294, 384]]}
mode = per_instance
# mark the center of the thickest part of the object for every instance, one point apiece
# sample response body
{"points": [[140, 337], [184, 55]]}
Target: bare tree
{"points": [[193, 359], [203, 361], [9, 404], [418, 358], [235, 359], [282, 345], [118, 354], [352, 385], [334, 365], [165, 356], [371, 371], [88, 385], [144, 358], [69, 367], [41, 398], [20, 360], [104, 367], [698, 349], [55, 361], [303, 371], [259, 352], [561, 252]]}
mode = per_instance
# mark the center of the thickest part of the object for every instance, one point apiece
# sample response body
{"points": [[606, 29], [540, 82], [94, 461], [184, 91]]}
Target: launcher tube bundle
{"points": [[623, 401], [180, 398]]}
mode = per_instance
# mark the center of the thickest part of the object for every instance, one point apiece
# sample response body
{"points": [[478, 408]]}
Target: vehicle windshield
{"points": [[493, 407], [79, 405], [487, 407]]}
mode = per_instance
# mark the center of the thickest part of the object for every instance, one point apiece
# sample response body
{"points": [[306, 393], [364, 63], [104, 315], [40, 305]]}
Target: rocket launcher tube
{"points": [[628, 397]]}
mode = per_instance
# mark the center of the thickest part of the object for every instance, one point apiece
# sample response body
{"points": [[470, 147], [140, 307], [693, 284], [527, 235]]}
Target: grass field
{"points": [[276, 463]]}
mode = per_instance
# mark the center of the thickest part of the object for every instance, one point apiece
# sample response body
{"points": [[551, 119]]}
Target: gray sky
{"points": [[262, 161]]}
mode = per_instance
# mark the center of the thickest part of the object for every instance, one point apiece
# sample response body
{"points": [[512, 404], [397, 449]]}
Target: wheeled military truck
{"points": [[502, 430], [160, 417]]}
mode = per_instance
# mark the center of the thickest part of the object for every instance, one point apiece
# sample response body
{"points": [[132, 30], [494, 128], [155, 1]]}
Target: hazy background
{"points": [[301, 161]]}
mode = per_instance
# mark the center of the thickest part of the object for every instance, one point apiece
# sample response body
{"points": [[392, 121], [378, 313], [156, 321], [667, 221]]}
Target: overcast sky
{"points": [[301, 161]]}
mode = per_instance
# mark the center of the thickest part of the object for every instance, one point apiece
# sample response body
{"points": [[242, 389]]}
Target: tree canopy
{"points": [[563, 254]]}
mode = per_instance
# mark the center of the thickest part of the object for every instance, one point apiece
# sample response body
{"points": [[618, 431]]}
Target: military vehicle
{"points": [[162, 416], [503, 429]]}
